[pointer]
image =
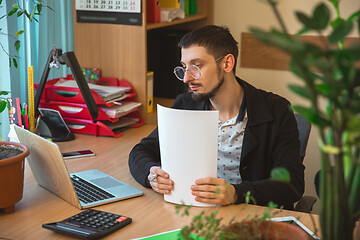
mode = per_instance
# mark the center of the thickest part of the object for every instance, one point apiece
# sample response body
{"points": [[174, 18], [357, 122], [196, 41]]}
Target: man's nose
{"points": [[187, 77]]}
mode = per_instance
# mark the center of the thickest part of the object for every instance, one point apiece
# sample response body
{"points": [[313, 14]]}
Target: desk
{"points": [[150, 213]]}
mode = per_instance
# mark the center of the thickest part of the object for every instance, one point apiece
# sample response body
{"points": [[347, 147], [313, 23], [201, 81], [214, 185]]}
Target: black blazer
{"points": [[270, 140]]}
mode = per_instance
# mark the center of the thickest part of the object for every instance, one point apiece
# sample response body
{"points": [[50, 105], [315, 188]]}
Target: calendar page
{"points": [[130, 6], [126, 12]]}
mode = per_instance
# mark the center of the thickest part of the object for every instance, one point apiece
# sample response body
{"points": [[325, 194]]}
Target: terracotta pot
{"points": [[266, 230], [12, 178]]}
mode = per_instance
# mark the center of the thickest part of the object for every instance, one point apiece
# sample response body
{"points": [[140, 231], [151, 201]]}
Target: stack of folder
{"points": [[117, 109]]}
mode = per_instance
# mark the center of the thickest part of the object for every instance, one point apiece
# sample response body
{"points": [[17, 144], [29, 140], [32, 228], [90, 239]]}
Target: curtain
{"points": [[53, 29]]}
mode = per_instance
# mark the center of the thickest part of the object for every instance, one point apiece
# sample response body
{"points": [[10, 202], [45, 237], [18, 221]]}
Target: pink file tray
{"points": [[56, 93], [79, 110], [98, 129]]}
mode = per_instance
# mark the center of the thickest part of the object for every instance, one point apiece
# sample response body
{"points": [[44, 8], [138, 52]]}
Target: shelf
{"points": [[176, 22]]}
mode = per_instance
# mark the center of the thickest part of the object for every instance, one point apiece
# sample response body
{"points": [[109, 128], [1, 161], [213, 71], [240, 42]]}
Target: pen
{"points": [[37, 124], [153, 177]]}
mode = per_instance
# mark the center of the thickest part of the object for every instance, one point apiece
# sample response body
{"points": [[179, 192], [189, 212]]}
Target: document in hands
{"points": [[188, 149]]}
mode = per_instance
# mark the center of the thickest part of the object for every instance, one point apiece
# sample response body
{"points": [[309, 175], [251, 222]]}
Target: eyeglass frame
{"points": [[198, 68]]}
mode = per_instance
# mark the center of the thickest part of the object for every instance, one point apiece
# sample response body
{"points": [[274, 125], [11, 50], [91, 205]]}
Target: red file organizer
{"points": [[83, 112], [98, 128], [54, 98], [53, 93]]}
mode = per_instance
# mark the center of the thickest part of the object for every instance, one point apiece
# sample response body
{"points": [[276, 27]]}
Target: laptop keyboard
{"points": [[88, 192]]}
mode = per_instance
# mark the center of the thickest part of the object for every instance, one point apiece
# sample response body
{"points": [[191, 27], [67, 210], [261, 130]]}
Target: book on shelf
{"points": [[108, 93]]}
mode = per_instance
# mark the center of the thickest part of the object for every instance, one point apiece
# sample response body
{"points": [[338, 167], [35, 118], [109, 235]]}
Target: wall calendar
{"points": [[109, 11]]}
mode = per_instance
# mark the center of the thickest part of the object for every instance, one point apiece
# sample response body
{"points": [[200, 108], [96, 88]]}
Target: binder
{"points": [[150, 91], [170, 3], [192, 6], [153, 11]]}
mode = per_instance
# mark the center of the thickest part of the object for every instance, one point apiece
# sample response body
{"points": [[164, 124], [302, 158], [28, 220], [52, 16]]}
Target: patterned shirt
{"points": [[231, 136], [230, 141]]}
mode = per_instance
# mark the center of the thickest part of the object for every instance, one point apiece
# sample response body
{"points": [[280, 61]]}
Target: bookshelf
{"points": [[120, 51]]}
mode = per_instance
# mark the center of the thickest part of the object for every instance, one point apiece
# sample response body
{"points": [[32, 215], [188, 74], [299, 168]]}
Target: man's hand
{"points": [[213, 191], [160, 180]]}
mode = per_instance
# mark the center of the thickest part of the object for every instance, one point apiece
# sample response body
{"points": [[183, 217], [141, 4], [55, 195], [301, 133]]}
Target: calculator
{"points": [[90, 224]]}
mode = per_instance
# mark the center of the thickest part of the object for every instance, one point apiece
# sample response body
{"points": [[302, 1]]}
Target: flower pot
{"points": [[12, 175], [265, 230]]}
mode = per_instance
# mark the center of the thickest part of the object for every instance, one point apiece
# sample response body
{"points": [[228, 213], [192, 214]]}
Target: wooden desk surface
{"points": [[150, 213]]}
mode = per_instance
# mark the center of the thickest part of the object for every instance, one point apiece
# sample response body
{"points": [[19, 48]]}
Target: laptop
{"points": [[82, 189]]}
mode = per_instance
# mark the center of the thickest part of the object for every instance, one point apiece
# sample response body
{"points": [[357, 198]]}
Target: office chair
{"points": [[306, 203]]}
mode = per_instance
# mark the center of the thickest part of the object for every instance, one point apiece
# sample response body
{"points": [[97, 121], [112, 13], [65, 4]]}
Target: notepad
{"points": [[170, 235]]}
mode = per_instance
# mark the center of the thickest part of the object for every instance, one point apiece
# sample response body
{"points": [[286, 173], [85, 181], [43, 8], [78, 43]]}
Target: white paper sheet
{"points": [[188, 149]]}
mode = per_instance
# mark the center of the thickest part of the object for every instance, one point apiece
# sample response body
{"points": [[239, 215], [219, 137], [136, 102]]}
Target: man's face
{"points": [[210, 80]]}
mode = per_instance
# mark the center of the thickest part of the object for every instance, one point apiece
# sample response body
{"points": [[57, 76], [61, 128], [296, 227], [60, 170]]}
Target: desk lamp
{"points": [[51, 127]]}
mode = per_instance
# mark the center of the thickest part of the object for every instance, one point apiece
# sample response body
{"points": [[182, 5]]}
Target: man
{"points": [[257, 129]]}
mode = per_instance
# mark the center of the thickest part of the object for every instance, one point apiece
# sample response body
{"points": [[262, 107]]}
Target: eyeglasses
{"points": [[195, 71]]}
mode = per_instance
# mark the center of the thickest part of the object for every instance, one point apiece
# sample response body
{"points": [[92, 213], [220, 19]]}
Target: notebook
{"points": [[50, 172]]}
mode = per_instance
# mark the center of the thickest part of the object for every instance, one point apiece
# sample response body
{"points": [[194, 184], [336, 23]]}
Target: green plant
{"points": [[19, 10], [328, 74], [3, 101], [211, 227]]}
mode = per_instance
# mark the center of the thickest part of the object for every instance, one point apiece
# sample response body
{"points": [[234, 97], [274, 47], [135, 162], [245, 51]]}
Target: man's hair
{"points": [[217, 40]]}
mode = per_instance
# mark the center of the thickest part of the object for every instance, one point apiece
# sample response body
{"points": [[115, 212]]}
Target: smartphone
{"points": [[77, 154], [294, 221]]}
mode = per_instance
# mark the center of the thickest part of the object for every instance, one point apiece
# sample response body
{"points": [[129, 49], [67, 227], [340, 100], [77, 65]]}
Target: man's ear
{"points": [[229, 62]]}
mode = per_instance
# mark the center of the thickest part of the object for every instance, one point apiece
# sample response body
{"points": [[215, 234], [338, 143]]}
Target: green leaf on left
{"points": [[18, 33], [17, 45], [15, 63], [280, 174], [14, 10], [2, 105]]}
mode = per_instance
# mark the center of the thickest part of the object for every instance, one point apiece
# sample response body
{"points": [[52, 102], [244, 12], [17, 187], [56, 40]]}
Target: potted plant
{"points": [[328, 74], [258, 227], [12, 155]]}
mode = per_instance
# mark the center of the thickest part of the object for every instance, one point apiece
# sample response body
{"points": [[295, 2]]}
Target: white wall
{"points": [[239, 15]]}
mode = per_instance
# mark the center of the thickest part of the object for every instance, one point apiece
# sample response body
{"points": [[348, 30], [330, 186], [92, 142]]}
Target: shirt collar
{"points": [[240, 116]]}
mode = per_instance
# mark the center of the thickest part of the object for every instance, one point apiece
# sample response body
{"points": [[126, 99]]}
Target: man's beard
{"points": [[203, 96]]}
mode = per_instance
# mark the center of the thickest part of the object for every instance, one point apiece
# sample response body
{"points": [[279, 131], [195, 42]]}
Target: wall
{"points": [[239, 15]]}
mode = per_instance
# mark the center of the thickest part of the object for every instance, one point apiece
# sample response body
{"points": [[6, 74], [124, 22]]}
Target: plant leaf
{"points": [[340, 31], [20, 13], [4, 92], [311, 116], [39, 8], [17, 45], [15, 63], [19, 33], [280, 174], [9, 62], [32, 13], [305, 20], [300, 90], [336, 22], [279, 40], [354, 15], [14, 10], [322, 16], [335, 3], [303, 31], [2, 105]]}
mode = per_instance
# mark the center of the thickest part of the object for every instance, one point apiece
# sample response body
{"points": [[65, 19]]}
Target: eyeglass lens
{"points": [[193, 70]]}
